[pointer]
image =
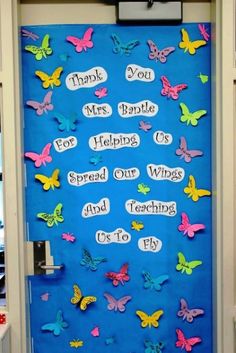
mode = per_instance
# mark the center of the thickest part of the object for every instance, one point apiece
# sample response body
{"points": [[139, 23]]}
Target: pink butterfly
{"points": [[183, 151], [156, 54], [28, 34], [95, 332], [145, 126], [187, 313], [116, 304], [101, 92], [203, 32], [171, 91], [119, 277], [44, 106], [45, 296], [68, 237], [41, 158], [188, 228], [84, 43], [186, 343]]}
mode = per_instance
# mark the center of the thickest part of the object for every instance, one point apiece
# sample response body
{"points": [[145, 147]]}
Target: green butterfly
{"points": [[203, 78], [143, 189], [42, 51], [191, 118], [53, 218], [185, 266]]}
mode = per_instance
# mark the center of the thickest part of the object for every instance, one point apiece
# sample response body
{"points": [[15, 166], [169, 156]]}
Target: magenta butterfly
{"points": [[117, 304], [82, 43], [68, 237], [171, 91], [44, 106], [145, 126], [183, 151], [156, 54], [45, 296], [186, 313], [188, 228], [119, 277], [41, 158], [203, 32], [28, 34], [101, 92], [186, 343]]}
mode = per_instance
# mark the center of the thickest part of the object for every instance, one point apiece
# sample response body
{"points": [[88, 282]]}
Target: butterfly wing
{"points": [[85, 301], [181, 266], [180, 339], [121, 303], [143, 317], [77, 295], [44, 77], [44, 180], [184, 309], [164, 53], [55, 78], [126, 48], [183, 227], [191, 190], [124, 269], [159, 280], [57, 213], [34, 157], [36, 105], [87, 43], [166, 86], [45, 49], [196, 116], [195, 45], [47, 102], [184, 44], [154, 52], [193, 228], [117, 43], [191, 265], [191, 342], [112, 302], [45, 155]]}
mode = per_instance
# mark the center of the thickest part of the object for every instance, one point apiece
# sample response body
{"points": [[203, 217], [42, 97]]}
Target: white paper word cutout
{"points": [[162, 172], [110, 141], [96, 209], [150, 244], [135, 72], [142, 108], [63, 144], [94, 110], [87, 79], [151, 207], [162, 138], [119, 236], [92, 176]]}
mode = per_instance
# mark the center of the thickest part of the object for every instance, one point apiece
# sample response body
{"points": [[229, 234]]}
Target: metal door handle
{"points": [[51, 267]]}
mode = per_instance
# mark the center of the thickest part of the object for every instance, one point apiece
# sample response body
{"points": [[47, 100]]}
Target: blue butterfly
{"points": [[151, 282], [91, 262], [95, 159], [121, 47], [66, 122], [56, 327], [153, 347]]}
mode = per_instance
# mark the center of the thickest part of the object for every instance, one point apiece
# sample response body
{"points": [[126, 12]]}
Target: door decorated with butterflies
{"points": [[117, 131]]}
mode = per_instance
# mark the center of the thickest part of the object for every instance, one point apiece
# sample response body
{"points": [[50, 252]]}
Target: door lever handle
{"points": [[51, 267]]}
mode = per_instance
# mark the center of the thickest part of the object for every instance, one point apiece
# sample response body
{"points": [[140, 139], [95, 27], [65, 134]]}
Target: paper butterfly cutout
{"points": [[45, 296], [95, 332], [154, 283], [203, 31], [136, 225], [66, 123], [42, 107], [29, 35], [119, 277], [117, 304], [143, 189], [49, 182], [186, 313], [95, 159], [57, 326], [123, 48], [68, 237], [54, 218], [40, 52], [191, 118], [189, 46], [186, 267], [82, 43], [91, 262], [203, 78], [76, 343], [186, 343], [101, 92], [171, 91], [53, 80], [186, 154], [149, 320], [193, 192], [145, 126], [81, 301], [41, 158], [109, 340], [187, 228], [156, 54], [153, 347]]}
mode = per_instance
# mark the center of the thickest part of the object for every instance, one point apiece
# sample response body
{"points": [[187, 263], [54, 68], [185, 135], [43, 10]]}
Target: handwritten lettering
{"points": [[162, 172], [162, 138], [126, 174], [151, 207], [80, 179], [110, 141], [150, 244], [62, 144], [119, 236], [143, 108], [135, 72], [87, 79], [92, 110], [96, 209]]}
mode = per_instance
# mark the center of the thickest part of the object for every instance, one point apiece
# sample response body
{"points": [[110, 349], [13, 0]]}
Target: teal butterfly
{"points": [[42, 51], [123, 48], [53, 218], [57, 326], [91, 262], [143, 189], [191, 118], [185, 266], [153, 347], [66, 123], [153, 283]]}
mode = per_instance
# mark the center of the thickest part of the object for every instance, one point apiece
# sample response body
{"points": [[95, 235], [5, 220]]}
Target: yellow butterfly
{"points": [[189, 46], [193, 192], [52, 80], [149, 320], [49, 182], [76, 343], [79, 300], [136, 225], [53, 218]]}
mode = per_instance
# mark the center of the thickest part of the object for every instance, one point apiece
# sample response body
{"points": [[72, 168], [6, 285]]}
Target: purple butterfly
{"points": [[156, 54], [183, 151], [145, 126], [187, 313], [28, 34], [44, 106], [116, 304]]}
